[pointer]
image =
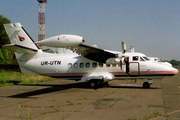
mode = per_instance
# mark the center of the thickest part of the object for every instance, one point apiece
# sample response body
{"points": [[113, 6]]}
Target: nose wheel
{"points": [[146, 85]]}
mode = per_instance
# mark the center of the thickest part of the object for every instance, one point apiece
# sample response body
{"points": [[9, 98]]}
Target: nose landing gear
{"points": [[147, 84]]}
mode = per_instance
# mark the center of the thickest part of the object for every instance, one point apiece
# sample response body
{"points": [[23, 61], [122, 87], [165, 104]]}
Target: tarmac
{"points": [[70, 100]]}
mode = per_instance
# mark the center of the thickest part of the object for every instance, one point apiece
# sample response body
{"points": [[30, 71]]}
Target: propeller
{"points": [[121, 62], [123, 47], [123, 52], [132, 49]]}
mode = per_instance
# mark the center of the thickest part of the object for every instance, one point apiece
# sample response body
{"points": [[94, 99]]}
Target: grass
{"points": [[19, 116], [8, 78], [29, 113], [69, 103]]}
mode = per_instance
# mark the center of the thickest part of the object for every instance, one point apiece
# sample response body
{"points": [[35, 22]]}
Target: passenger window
{"points": [[69, 65], [81, 65], [135, 58], [114, 65], [75, 65], [94, 64], [107, 65], [87, 65], [100, 64]]}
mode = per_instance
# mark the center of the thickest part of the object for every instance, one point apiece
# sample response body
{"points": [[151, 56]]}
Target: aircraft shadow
{"points": [[50, 89], [55, 88], [134, 87]]}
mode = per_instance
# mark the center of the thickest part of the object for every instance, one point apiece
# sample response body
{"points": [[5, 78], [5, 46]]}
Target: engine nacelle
{"points": [[62, 41], [113, 61]]}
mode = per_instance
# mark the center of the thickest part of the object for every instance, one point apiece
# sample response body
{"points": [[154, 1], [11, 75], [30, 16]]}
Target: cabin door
{"points": [[134, 68]]}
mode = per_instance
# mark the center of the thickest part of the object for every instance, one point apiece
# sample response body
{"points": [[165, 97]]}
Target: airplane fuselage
{"points": [[73, 66]]}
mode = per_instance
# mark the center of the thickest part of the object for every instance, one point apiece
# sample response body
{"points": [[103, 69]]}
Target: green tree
{"points": [[3, 36], [6, 56], [175, 62]]}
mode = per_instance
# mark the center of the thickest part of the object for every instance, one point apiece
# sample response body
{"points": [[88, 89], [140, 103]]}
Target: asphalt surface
{"points": [[71, 100]]}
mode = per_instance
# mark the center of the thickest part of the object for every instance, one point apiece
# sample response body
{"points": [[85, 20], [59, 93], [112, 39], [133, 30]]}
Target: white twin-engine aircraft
{"points": [[91, 64]]}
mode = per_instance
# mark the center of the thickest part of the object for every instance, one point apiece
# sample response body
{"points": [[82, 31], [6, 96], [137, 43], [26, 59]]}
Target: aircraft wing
{"points": [[93, 53], [19, 48]]}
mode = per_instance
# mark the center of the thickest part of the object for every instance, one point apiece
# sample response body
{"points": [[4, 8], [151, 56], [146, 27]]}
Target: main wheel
{"points": [[146, 85], [93, 84]]}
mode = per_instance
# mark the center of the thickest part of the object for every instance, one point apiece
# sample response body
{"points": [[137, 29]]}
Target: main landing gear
{"points": [[92, 83], [147, 84], [97, 83]]}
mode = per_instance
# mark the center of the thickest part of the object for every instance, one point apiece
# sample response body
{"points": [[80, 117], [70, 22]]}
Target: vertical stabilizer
{"points": [[19, 36], [22, 45]]}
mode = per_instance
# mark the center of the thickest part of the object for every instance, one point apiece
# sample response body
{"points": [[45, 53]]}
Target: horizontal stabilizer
{"points": [[19, 48]]}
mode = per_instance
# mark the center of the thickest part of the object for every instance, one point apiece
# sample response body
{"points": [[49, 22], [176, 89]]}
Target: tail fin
{"points": [[19, 37], [22, 44]]}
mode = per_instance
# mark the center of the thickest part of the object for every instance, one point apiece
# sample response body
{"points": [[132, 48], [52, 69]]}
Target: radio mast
{"points": [[41, 19]]}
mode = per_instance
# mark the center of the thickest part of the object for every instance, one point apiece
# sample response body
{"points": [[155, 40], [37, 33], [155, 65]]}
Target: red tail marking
{"points": [[22, 38]]}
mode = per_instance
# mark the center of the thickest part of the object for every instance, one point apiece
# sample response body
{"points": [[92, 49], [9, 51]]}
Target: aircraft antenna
{"points": [[41, 20]]}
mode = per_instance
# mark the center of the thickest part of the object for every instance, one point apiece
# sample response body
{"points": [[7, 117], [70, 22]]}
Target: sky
{"points": [[152, 27]]}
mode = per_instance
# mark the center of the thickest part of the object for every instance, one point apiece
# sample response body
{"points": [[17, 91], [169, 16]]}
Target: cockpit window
{"points": [[147, 59], [141, 59], [135, 58], [160, 60]]}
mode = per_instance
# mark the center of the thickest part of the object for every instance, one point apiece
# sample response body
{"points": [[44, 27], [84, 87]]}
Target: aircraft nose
{"points": [[169, 70], [174, 71]]}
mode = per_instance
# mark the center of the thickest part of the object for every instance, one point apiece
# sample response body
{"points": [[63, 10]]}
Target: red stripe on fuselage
{"points": [[146, 72]]}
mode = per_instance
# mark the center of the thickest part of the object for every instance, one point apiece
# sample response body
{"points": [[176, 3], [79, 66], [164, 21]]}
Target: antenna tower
{"points": [[41, 19]]}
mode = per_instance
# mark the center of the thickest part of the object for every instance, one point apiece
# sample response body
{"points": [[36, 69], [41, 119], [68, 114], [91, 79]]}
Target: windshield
{"points": [[146, 58]]}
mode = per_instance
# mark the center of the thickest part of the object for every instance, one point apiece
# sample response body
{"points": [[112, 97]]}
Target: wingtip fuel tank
{"points": [[62, 41]]}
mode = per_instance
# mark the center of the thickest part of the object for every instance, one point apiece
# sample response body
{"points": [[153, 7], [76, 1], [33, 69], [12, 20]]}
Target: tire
{"points": [[93, 84], [146, 85]]}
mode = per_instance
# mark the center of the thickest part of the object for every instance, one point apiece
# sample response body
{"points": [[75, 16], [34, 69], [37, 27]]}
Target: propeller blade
{"points": [[123, 47], [121, 62], [132, 49]]}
